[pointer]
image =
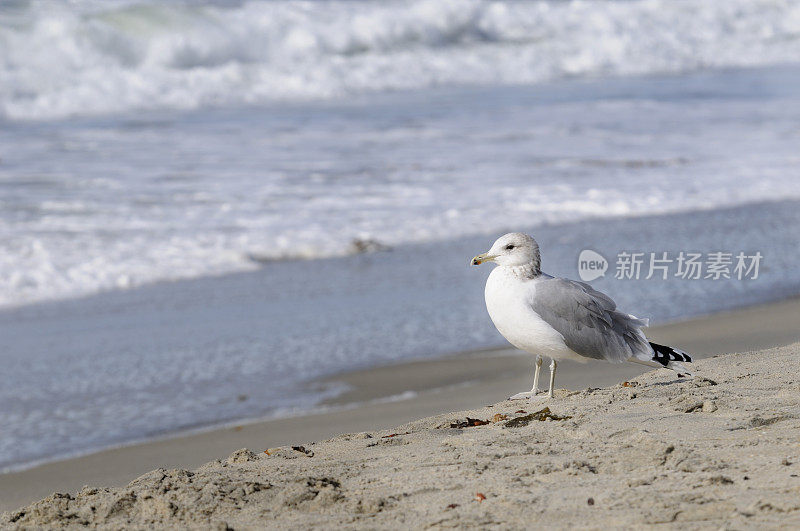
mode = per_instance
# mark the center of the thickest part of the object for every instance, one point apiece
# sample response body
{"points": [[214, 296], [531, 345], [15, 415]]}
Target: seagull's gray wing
{"points": [[588, 320]]}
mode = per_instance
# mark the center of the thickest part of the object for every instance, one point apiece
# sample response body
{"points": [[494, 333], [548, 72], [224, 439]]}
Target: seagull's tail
{"points": [[663, 356]]}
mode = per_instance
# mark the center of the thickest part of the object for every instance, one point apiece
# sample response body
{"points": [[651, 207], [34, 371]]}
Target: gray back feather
{"points": [[588, 320]]}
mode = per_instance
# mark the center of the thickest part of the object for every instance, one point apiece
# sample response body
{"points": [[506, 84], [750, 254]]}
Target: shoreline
{"points": [[159, 359], [434, 386]]}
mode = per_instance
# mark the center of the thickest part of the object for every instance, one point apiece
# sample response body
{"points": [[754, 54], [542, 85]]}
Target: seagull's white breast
{"points": [[507, 300]]}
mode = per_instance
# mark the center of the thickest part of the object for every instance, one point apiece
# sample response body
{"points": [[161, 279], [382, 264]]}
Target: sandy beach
{"points": [[436, 387], [718, 451]]}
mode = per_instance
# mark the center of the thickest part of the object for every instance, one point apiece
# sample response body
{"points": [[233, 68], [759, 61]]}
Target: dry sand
{"points": [[718, 451]]}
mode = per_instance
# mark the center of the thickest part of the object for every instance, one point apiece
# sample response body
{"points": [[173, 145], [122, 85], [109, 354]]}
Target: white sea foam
{"points": [[87, 206], [94, 57]]}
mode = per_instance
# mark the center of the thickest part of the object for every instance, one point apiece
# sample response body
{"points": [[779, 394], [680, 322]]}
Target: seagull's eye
{"points": [[510, 246]]}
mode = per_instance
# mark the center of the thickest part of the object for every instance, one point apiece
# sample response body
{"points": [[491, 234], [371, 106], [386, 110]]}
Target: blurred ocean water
{"points": [[147, 141], [114, 202]]}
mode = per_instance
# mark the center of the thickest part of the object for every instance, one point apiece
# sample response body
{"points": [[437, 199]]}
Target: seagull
{"points": [[561, 318]]}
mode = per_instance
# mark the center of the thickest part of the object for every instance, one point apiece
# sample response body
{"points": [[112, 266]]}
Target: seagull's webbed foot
{"points": [[535, 389], [527, 394]]}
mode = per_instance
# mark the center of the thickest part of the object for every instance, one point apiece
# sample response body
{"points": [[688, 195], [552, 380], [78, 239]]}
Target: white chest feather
{"points": [[507, 300]]}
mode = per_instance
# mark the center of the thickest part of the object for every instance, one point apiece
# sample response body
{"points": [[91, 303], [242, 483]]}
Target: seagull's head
{"points": [[512, 249]]}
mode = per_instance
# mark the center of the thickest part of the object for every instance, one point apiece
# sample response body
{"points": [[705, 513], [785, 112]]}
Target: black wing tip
{"points": [[663, 354]]}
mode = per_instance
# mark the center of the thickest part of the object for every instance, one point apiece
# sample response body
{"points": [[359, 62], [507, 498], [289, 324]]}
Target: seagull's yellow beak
{"points": [[481, 258]]}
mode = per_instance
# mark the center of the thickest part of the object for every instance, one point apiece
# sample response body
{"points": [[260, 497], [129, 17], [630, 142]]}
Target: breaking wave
{"points": [[90, 57]]}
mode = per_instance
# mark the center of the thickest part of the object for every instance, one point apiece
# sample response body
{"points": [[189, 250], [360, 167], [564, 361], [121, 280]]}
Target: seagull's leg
{"points": [[553, 366], [535, 388]]}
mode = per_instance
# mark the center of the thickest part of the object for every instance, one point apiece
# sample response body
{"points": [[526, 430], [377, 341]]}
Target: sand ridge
{"points": [[719, 451]]}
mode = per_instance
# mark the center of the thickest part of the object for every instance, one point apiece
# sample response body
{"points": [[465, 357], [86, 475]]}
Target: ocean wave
{"points": [[89, 57]]}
